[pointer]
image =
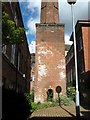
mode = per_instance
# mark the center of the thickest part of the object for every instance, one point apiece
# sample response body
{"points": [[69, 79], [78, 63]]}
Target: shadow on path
{"points": [[86, 114], [56, 118], [73, 117], [68, 112]]}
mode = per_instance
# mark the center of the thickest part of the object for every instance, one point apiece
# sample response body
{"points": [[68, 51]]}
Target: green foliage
{"points": [[34, 106], [27, 95], [55, 102], [66, 101], [46, 105], [71, 92], [30, 96], [30, 99], [11, 34]]}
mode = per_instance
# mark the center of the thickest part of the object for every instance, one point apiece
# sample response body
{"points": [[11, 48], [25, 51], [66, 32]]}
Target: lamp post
{"points": [[72, 2]]}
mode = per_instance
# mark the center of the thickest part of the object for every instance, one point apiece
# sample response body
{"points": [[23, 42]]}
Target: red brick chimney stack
{"points": [[50, 68], [49, 11]]}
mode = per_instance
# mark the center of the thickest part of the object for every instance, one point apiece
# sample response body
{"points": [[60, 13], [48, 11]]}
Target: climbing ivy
{"points": [[10, 33]]}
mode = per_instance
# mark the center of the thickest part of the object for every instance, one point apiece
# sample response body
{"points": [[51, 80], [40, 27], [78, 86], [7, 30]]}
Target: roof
{"points": [[80, 23]]}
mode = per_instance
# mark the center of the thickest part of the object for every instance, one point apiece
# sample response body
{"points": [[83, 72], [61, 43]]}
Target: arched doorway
{"points": [[49, 95]]}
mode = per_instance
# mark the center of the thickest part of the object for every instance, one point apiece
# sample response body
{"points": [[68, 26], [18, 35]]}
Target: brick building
{"points": [[32, 71], [70, 67], [50, 70], [83, 59], [16, 57]]}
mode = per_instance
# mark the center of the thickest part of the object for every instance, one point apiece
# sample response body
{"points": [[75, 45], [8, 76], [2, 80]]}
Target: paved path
{"points": [[57, 113]]}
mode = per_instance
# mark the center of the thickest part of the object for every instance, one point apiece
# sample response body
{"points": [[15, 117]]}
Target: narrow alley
{"points": [[59, 113]]}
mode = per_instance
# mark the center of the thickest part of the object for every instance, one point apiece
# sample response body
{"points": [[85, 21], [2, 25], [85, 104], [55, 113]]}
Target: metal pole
{"points": [[76, 69], [59, 99]]}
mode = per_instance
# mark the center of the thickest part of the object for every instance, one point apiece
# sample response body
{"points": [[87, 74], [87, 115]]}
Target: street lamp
{"points": [[72, 2]]}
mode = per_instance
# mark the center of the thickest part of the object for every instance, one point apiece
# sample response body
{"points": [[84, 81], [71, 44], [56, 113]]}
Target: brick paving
{"points": [[58, 112]]}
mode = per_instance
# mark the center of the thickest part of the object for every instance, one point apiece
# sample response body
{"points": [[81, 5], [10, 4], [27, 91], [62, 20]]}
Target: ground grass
{"points": [[64, 100]]}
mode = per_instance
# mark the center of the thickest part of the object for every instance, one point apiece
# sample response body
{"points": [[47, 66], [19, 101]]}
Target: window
{"points": [[71, 79], [14, 85], [80, 43], [49, 95], [68, 77], [13, 54], [82, 66], [4, 49], [19, 88], [10, 86], [4, 81], [16, 16], [18, 60], [32, 75], [33, 64], [16, 19]]}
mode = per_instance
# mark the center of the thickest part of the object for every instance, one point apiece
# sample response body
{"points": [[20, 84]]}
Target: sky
{"points": [[30, 10]]}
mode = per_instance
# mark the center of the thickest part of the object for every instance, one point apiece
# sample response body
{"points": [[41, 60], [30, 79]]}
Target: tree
{"points": [[10, 33]]}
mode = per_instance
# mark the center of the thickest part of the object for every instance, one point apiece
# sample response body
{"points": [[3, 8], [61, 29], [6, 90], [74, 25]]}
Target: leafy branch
{"points": [[10, 33]]}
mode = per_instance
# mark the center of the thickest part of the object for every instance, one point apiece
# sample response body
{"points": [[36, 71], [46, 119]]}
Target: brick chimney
{"points": [[49, 12], [50, 68]]}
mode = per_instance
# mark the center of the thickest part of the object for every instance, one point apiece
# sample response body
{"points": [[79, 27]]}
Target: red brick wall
{"points": [[50, 60], [86, 44]]}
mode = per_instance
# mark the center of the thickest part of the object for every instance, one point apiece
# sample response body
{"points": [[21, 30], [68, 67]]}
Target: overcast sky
{"points": [[30, 10]]}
